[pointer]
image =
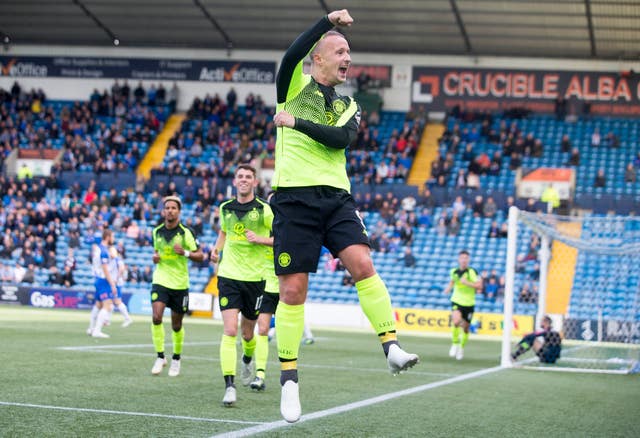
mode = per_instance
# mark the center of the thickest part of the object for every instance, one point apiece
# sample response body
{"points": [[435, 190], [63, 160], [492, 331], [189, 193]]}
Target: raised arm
{"points": [[303, 45]]}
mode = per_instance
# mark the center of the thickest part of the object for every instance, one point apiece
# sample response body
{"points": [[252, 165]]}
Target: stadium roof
{"points": [[600, 29]]}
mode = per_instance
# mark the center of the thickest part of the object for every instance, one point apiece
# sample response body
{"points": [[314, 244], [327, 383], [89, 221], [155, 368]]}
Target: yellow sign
{"points": [[418, 320]]}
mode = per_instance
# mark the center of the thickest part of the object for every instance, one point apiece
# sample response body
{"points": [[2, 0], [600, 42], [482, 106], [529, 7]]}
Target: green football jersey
{"points": [[173, 269], [462, 294], [312, 153], [242, 260]]}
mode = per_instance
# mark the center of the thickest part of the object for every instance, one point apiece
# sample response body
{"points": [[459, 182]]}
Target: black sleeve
{"points": [[296, 52], [337, 137]]}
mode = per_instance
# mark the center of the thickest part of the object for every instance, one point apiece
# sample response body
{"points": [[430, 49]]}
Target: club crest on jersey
{"points": [[339, 106], [253, 215]]}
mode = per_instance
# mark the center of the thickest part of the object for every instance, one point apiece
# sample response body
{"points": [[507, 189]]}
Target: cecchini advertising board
{"points": [[138, 68], [419, 320], [439, 88]]}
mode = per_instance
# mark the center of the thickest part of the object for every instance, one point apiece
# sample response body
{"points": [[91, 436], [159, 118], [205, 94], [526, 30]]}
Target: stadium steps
{"points": [[158, 149], [427, 152], [562, 269]]}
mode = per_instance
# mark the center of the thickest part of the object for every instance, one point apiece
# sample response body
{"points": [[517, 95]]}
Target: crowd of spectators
{"points": [[101, 135]]}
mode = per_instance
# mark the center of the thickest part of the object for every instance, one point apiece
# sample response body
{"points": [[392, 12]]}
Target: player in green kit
{"points": [[465, 281], [312, 204], [174, 244], [242, 249]]}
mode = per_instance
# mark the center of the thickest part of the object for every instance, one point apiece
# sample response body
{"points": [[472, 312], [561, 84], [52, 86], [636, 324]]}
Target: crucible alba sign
{"points": [[610, 93]]}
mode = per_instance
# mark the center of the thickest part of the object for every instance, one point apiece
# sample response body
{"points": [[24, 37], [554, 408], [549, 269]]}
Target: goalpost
{"points": [[587, 274]]}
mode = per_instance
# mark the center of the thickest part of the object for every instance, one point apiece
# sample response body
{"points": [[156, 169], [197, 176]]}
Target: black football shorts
{"points": [[308, 218]]}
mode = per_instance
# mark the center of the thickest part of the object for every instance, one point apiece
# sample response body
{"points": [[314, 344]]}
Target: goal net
{"points": [[584, 273]]}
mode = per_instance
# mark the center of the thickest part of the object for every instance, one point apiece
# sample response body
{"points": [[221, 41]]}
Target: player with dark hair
{"points": [[312, 204], [174, 244], [242, 248], [546, 343], [465, 281]]}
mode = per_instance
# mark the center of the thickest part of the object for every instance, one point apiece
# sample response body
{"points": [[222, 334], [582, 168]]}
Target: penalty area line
{"points": [[136, 414], [267, 427]]}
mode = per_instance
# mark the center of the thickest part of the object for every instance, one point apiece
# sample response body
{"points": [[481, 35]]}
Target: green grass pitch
{"points": [[55, 381]]}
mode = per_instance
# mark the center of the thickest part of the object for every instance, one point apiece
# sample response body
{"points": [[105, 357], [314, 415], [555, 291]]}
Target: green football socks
{"points": [[289, 329], [178, 340], [157, 335], [376, 304], [248, 347], [455, 335], [262, 354], [465, 338], [228, 355]]}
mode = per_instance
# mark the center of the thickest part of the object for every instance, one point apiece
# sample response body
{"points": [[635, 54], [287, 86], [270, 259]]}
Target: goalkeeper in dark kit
{"points": [[546, 343]]}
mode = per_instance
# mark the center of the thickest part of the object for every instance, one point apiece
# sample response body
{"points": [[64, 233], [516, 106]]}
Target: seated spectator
{"points": [[19, 272], [441, 227], [424, 219], [491, 289], [516, 161], [574, 158], [528, 293], [70, 261], [133, 274], [478, 206], [630, 173], [612, 140], [461, 179], [55, 278], [30, 274], [458, 207], [595, 138], [133, 230], [496, 164], [601, 179], [490, 208], [537, 149], [453, 229], [473, 180], [565, 143], [484, 162], [406, 234], [147, 274], [67, 277], [494, 230], [408, 258]]}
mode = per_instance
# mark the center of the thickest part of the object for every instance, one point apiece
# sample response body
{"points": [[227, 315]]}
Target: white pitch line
{"points": [[111, 349], [137, 414], [116, 346], [267, 427]]}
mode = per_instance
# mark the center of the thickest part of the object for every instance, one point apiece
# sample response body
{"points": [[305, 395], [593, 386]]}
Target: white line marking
{"points": [[137, 414], [116, 346], [267, 427], [111, 349]]}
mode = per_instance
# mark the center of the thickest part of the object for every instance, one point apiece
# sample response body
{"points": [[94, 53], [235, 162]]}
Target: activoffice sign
{"points": [[138, 69], [238, 72]]}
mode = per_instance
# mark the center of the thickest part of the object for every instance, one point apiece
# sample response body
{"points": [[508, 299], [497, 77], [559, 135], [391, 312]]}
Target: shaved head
{"points": [[321, 43]]}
